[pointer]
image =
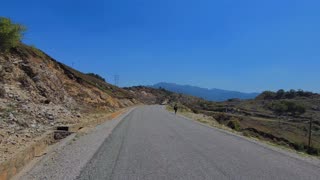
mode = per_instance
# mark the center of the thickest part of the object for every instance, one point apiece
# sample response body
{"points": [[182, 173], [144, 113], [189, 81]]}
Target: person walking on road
{"points": [[175, 108]]}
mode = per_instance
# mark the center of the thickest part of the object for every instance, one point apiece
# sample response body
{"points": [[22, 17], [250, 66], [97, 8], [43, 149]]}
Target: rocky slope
{"points": [[38, 93]]}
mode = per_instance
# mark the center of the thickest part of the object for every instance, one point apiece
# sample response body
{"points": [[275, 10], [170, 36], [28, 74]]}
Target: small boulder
{"points": [[11, 117], [49, 116], [78, 115], [28, 135]]}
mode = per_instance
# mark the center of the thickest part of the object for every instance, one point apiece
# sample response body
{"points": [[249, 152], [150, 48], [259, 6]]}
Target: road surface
{"points": [[151, 143]]}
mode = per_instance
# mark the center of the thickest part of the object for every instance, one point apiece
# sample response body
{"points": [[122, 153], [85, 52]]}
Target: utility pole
{"points": [[310, 134], [116, 80]]}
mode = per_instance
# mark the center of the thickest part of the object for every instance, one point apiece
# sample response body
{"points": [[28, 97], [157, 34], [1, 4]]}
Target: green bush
{"points": [[96, 76], [221, 117], [10, 34], [195, 111], [299, 147], [279, 108], [313, 151], [234, 124], [247, 134], [285, 107]]}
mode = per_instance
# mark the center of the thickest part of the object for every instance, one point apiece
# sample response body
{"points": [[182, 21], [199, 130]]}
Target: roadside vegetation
{"points": [[11, 34], [96, 76]]}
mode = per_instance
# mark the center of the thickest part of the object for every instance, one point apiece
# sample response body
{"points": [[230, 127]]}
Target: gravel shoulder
{"points": [[68, 158]]}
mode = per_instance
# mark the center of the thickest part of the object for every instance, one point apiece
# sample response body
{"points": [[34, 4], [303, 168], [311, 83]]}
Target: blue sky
{"points": [[246, 45]]}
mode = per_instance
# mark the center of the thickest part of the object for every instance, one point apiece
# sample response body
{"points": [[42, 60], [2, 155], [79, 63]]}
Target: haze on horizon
{"points": [[247, 46]]}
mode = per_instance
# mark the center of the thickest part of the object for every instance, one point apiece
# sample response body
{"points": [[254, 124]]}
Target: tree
{"points": [[10, 34], [280, 94], [291, 94], [267, 95], [302, 93]]}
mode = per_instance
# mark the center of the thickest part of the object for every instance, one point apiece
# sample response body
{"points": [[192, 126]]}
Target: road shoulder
{"points": [[66, 159], [288, 152]]}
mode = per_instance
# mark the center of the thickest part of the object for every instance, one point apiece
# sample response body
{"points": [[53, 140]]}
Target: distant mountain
{"points": [[208, 94]]}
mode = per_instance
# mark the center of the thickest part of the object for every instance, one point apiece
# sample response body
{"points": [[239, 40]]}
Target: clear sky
{"points": [[245, 45]]}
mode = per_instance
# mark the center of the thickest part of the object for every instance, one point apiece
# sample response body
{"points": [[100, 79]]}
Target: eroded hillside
{"points": [[149, 95], [38, 93]]}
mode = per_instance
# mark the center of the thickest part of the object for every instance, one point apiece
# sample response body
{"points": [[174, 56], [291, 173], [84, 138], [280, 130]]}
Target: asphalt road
{"points": [[151, 143]]}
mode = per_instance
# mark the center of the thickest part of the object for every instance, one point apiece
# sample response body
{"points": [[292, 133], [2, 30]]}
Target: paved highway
{"points": [[151, 143]]}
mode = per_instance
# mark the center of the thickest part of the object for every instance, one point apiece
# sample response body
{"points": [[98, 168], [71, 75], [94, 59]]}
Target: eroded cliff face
{"points": [[38, 93]]}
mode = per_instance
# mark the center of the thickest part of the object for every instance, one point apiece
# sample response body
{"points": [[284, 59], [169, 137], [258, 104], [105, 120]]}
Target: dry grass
{"points": [[295, 133]]}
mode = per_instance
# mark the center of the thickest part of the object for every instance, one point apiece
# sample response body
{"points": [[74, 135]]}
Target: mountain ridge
{"points": [[213, 94]]}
